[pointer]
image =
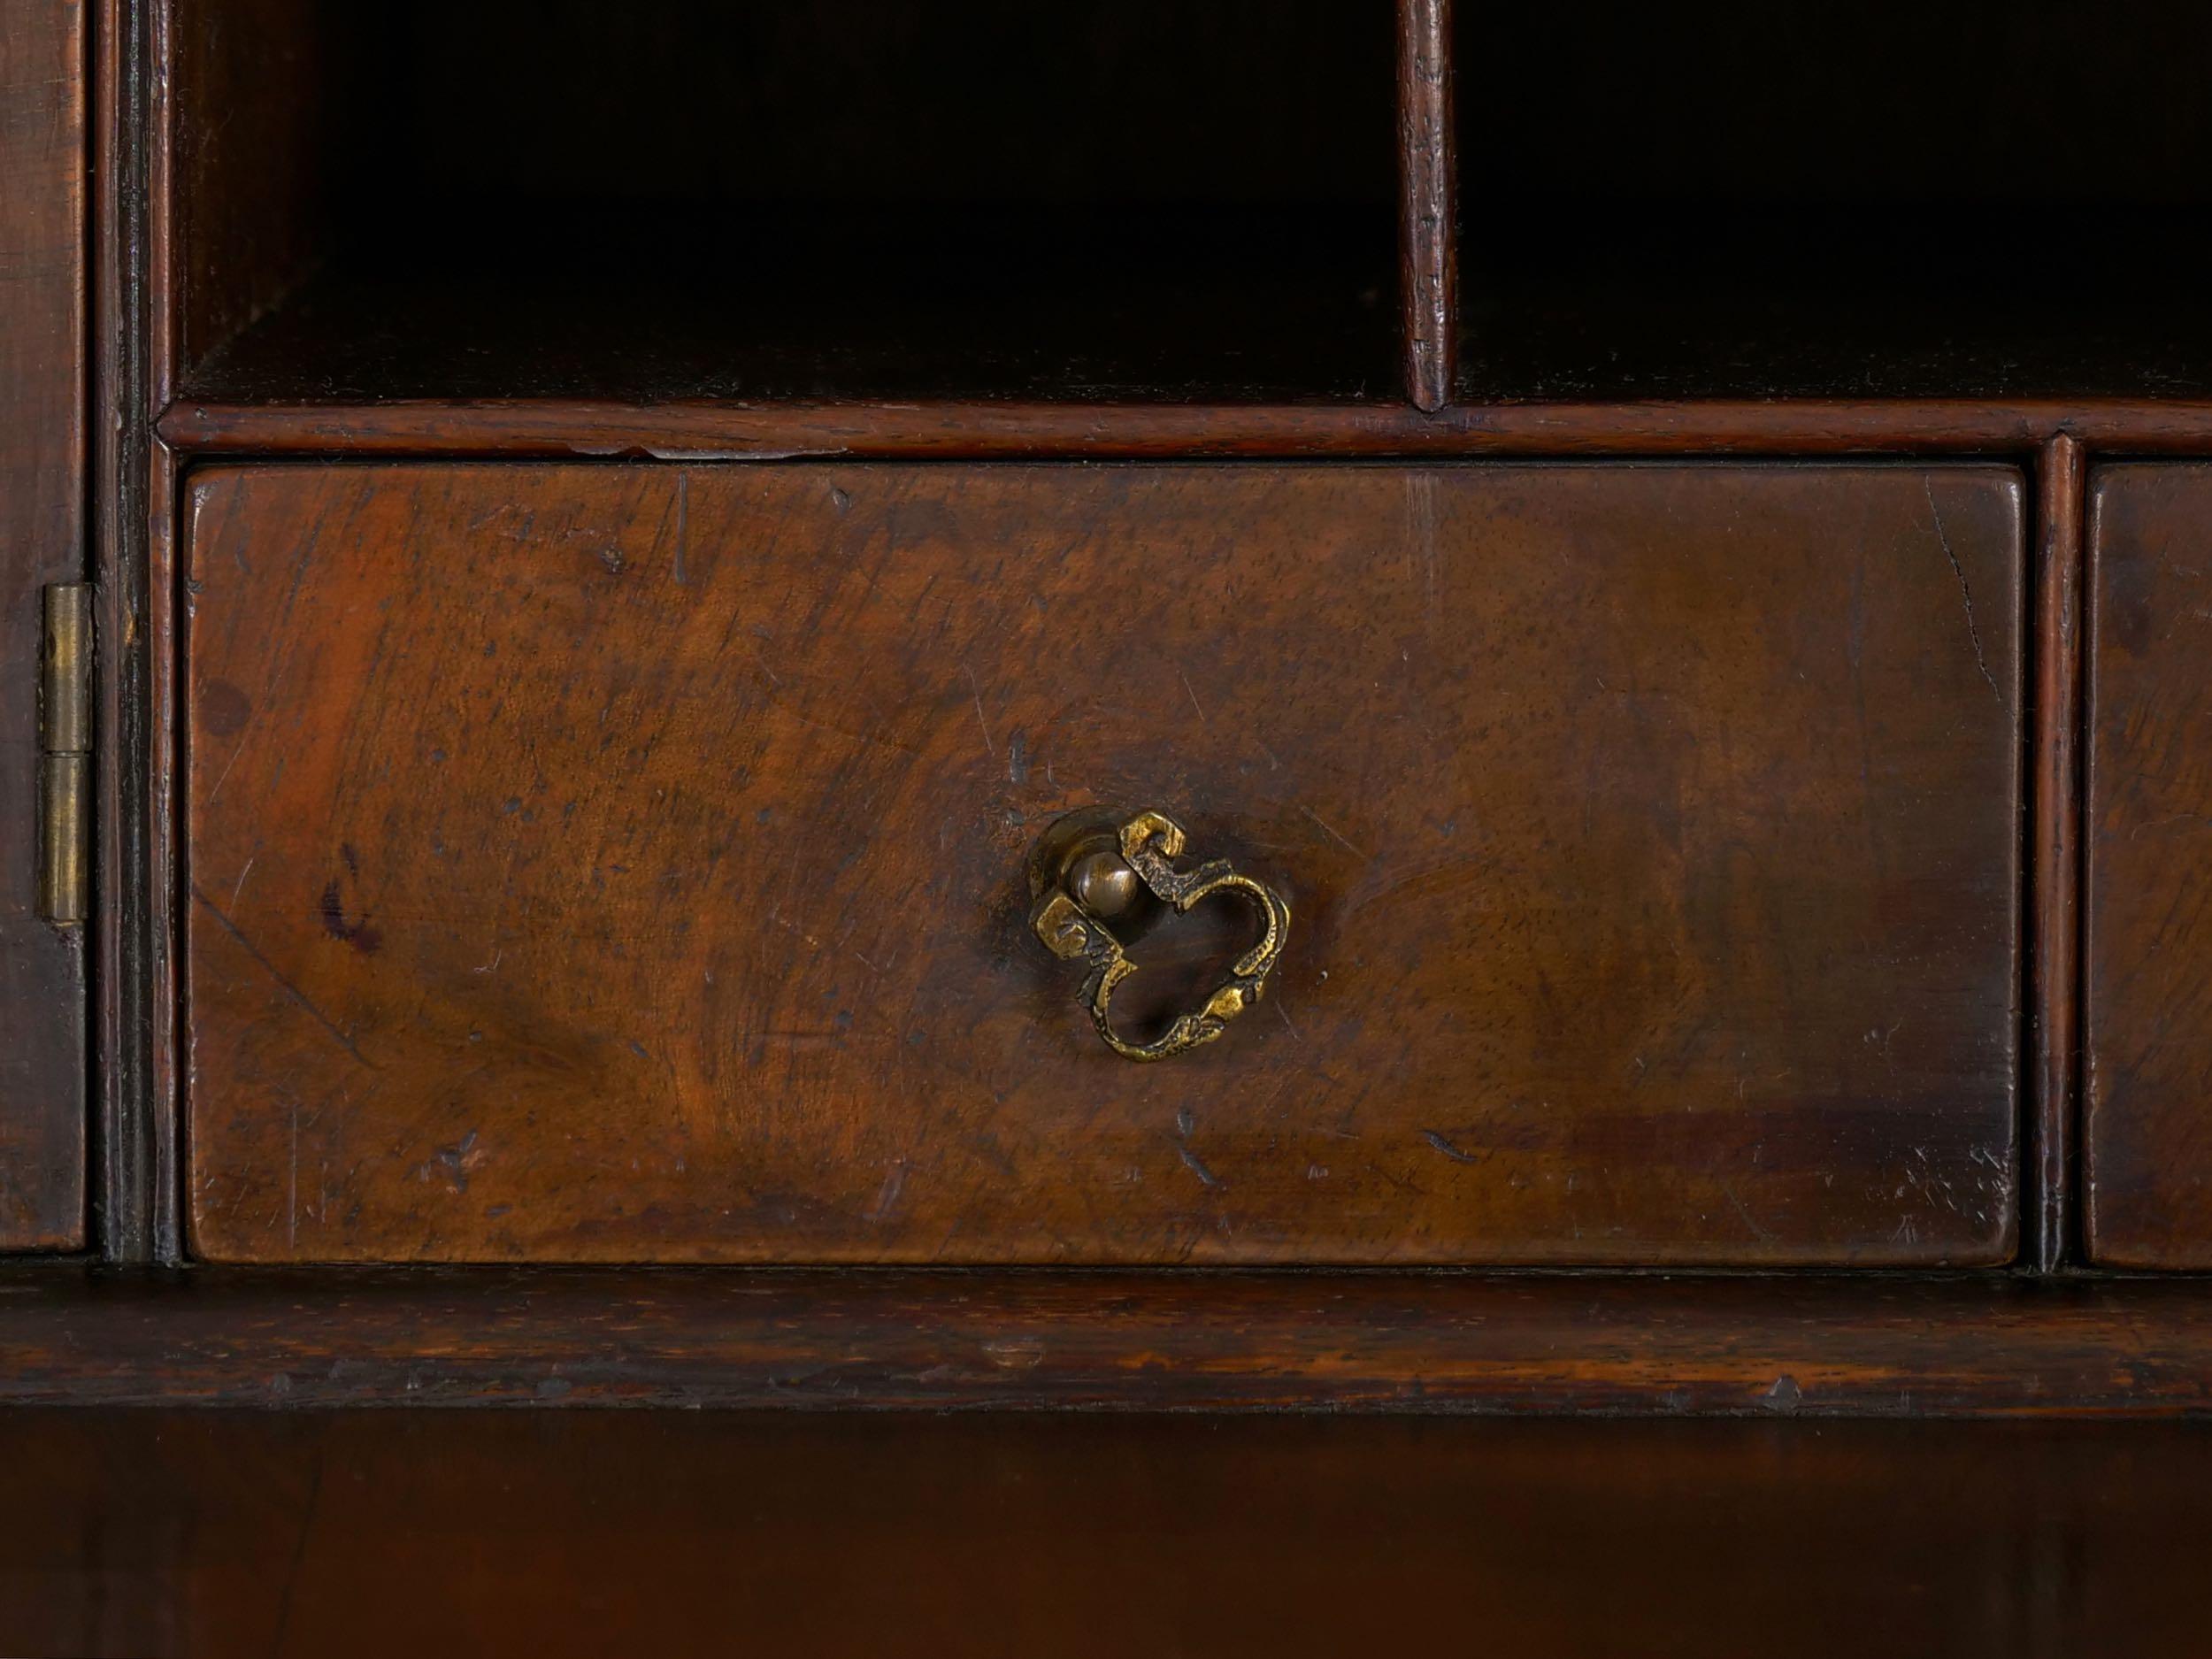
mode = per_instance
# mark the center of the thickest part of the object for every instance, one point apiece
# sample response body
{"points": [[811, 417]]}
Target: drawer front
{"points": [[2146, 1103], [626, 863]]}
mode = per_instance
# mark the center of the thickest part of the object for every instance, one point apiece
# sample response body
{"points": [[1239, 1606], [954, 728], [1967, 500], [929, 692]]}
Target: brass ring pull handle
{"points": [[1095, 868]]}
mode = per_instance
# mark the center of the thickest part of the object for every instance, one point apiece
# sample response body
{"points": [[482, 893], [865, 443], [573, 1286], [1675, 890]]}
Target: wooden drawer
{"points": [[2147, 1141], [626, 863]]}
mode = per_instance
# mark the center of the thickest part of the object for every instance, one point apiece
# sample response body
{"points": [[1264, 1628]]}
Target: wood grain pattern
{"points": [[2054, 855], [333, 1534], [282, 63], [161, 1115], [625, 864], [42, 168], [1817, 1344], [2148, 1007], [130, 359], [592, 428], [1429, 200]]}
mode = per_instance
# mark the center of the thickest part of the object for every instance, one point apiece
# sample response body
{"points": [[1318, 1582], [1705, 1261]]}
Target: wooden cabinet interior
{"points": [[328, 231], [854, 199], [1732, 199], [866, 200]]}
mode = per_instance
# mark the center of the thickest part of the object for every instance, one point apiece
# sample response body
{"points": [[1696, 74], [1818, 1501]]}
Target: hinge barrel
{"points": [[64, 773]]}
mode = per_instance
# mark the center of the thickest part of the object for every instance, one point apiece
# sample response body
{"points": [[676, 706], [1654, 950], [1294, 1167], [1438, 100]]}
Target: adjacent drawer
{"points": [[2147, 1004], [627, 863]]}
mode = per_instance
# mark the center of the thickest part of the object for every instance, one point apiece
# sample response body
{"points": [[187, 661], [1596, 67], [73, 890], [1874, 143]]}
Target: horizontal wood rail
{"points": [[703, 430], [1861, 1345]]}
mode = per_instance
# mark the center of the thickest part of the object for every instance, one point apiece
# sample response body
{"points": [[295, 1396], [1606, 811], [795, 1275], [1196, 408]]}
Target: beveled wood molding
{"points": [[1820, 1345], [705, 430], [2054, 914]]}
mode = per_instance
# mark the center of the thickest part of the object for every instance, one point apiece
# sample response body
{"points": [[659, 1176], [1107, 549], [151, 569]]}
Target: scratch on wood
{"points": [[1197, 707], [1973, 632], [223, 777], [1196, 1166], [977, 692], [1332, 832], [292, 1187], [683, 522], [1749, 1220], [887, 1200], [298, 997], [1421, 507], [455, 1162]]}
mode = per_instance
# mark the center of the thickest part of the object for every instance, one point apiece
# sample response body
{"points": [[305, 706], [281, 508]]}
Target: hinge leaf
{"points": [[65, 767]]}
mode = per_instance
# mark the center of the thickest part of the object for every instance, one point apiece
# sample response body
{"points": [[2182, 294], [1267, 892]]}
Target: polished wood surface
{"points": [[1428, 200], [433, 1533], [625, 863], [567, 429], [128, 514], [2051, 1206], [42, 435], [2147, 1171], [1783, 1345]]}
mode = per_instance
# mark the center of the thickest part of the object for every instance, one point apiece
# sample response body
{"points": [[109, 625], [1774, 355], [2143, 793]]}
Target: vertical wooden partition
{"points": [[42, 175], [2048, 1232], [1429, 206]]}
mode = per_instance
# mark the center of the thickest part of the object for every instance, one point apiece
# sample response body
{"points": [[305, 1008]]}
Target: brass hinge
{"points": [[65, 765]]}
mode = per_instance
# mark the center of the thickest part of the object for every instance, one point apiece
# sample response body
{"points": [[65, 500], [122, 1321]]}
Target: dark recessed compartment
{"points": [[1730, 198], [812, 199]]}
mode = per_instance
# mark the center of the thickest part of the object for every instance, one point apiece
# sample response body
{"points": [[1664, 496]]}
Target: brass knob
{"points": [[1096, 867]]}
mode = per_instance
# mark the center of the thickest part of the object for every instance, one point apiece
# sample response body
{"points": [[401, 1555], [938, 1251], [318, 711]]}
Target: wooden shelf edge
{"points": [[705, 431], [1822, 1345]]}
